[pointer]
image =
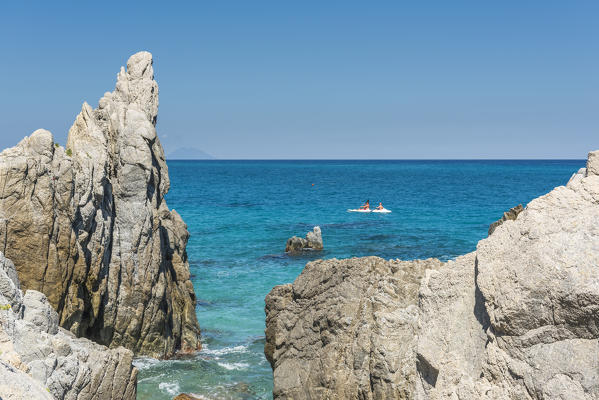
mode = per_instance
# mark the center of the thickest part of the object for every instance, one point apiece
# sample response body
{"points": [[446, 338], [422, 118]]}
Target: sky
{"points": [[318, 79]]}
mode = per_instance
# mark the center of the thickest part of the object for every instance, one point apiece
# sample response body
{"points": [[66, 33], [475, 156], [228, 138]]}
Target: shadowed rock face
{"points": [[39, 360], [516, 319], [88, 226]]}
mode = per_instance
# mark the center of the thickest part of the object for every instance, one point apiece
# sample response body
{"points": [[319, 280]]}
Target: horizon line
{"points": [[375, 159]]}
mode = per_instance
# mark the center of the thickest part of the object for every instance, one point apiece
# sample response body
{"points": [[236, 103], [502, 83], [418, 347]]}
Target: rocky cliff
{"points": [[39, 360], [87, 225], [516, 319]]}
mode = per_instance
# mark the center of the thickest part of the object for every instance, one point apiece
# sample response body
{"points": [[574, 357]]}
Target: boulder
{"points": [[345, 329], [38, 311], [42, 361], [88, 225], [313, 241]]}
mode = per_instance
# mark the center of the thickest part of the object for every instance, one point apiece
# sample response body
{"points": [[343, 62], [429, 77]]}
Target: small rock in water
{"points": [[313, 241]]}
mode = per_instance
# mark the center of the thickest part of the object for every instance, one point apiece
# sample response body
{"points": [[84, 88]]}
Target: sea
{"points": [[241, 213]]}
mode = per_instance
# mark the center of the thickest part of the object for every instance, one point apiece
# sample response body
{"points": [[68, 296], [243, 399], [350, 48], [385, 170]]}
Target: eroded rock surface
{"points": [[39, 360], [345, 329], [88, 226], [516, 319]]}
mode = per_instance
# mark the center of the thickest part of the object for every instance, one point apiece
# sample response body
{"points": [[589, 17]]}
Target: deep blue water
{"points": [[240, 214]]}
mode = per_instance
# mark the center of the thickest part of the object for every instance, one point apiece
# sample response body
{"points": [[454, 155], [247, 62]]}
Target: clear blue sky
{"points": [[319, 79]]}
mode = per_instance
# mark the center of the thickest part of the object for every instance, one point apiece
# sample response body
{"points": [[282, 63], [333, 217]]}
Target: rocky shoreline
{"points": [[96, 250], [94, 270], [516, 319]]}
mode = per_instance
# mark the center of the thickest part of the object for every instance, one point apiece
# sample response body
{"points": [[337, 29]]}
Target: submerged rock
{"points": [[39, 360], [516, 319], [509, 215], [313, 241], [185, 396], [88, 226]]}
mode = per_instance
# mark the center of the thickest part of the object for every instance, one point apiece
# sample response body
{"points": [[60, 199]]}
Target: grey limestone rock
{"points": [[39, 360], [89, 227]]}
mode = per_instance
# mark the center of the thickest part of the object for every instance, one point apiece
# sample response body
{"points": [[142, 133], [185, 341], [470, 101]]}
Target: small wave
{"points": [[274, 256], [224, 350], [380, 237], [242, 204], [145, 362], [171, 388], [232, 366]]}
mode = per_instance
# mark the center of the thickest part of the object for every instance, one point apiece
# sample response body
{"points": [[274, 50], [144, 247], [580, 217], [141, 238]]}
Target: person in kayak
{"points": [[380, 206], [366, 205]]}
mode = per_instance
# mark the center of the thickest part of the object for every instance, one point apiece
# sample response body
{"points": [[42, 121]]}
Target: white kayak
{"points": [[360, 210], [382, 210]]}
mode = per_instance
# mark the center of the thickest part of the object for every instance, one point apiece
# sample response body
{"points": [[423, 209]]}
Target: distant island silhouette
{"points": [[188, 153]]}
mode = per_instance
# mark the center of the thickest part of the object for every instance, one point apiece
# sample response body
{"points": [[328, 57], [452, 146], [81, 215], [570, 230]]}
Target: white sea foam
{"points": [[150, 379], [232, 366], [145, 362], [224, 350], [171, 388]]}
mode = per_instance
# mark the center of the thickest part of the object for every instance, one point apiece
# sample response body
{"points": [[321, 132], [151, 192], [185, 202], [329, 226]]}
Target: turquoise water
{"points": [[240, 214]]}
